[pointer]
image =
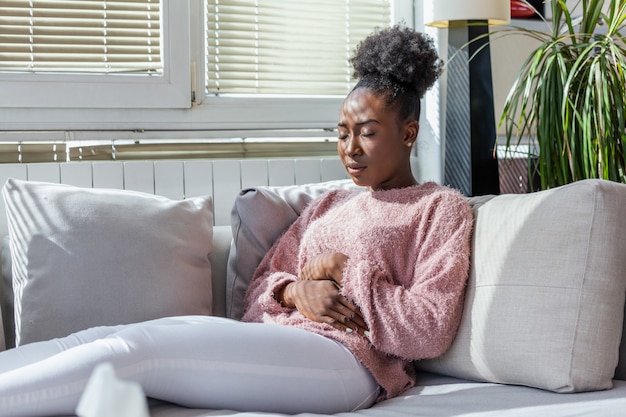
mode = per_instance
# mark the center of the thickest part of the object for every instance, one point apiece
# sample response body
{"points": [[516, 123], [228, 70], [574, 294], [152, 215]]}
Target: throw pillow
{"points": [[259, 216], [545, 300], [88, 257]]}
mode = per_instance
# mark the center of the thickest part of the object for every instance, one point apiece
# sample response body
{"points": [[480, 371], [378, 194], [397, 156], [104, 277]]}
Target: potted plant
{"points": [[569, 99]]}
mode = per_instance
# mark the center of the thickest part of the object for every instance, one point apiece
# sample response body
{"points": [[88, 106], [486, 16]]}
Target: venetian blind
{"points": [[89, 36], [287, 47]]}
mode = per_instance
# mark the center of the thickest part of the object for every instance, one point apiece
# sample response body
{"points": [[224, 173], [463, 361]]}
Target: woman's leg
{"points": [[202, 362], [34, 352], [42, 368]]}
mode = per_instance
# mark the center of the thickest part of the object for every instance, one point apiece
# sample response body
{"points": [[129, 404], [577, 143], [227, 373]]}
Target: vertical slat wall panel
{"points": [[227, 175], [222, 179], [139, 176], [332, 169], [281, 172], [47, 172], [198, 178], [168, 179], [307, 171], [77, 174], [7, 171], [254, 173], [19, 171], [108, 175]]}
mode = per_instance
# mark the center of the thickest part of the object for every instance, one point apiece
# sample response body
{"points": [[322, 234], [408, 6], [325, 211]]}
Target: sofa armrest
{"points": [[6, 295], [222, 238]]}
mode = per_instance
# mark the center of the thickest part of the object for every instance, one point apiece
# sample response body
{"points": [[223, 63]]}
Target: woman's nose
{"points": [[352, 145]]}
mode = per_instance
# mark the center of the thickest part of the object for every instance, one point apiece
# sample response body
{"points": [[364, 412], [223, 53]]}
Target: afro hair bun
{"points": [[398, 54]]}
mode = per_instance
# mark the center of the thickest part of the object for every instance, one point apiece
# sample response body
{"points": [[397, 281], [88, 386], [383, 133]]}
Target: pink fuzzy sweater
{"points": [[408, 263]]}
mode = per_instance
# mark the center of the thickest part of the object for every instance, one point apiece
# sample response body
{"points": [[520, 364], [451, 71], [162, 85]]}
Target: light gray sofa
{"points": [[541, 333]]}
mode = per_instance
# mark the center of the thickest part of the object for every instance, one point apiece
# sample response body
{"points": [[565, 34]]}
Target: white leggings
{"points": [[194, 361]]}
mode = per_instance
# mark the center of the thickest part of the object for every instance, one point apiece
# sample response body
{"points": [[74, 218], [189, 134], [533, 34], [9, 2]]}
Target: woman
{"points": [[360, 286]]}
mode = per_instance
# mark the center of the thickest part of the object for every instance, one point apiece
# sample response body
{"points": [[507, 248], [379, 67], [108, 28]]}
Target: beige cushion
{"points": [[87, 257], [545, 299], [259, 216]]}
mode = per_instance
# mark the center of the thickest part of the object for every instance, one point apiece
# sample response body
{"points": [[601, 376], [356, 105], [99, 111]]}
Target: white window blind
{"points": [[89, 36], [287, 47], [71, 56]]}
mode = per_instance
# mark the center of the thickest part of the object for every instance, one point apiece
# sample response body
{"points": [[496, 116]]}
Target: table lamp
{"points": [[469, 161]]}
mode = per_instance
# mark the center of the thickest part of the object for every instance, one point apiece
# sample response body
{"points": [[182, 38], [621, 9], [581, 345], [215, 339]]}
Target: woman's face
{"points": [[374, 146]]}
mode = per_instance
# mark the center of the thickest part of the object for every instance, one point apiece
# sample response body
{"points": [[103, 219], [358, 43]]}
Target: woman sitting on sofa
{"points": [[362, 284]]}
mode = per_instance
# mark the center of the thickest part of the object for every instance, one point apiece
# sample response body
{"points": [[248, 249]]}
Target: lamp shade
{"points": [[440, 13]]}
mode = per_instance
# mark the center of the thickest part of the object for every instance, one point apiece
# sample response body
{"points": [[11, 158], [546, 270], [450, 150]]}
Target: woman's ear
{"points": [[411, 130]]}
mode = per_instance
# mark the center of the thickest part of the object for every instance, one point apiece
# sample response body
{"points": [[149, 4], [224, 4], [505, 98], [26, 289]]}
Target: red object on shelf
{"points": [[520, 10]]}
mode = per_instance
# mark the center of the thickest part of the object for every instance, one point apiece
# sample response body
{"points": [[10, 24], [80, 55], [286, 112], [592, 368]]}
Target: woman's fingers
{"points": [[326, 266], [348, 317], [348, 325], [319, 300]]}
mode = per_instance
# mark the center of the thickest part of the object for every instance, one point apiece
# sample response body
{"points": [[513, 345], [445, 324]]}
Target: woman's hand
{"points": [[324, 267], [319, 300]]}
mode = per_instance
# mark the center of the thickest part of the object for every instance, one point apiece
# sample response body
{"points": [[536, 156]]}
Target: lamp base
{"points": [[470, 163]]}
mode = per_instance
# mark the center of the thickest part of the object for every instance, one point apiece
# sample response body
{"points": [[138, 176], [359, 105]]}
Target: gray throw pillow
{"points": [[259, 216]]}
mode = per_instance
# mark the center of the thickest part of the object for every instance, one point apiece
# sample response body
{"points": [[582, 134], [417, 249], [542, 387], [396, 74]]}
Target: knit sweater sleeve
{"points": [[419, 320], [279, 266]]}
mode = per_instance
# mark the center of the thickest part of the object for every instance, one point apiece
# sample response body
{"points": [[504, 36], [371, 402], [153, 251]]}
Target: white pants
{"points": [[194, 361]]}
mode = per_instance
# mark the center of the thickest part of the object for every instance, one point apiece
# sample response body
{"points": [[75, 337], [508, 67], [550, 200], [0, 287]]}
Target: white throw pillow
{"points": [[545, 300], [259, 216], [87, 257]]}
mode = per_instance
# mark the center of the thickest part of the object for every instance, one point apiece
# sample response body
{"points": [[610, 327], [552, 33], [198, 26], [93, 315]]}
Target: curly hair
{"points": [[399, 63]]}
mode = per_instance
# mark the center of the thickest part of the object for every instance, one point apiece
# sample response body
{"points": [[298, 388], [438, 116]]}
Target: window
{"points": [[101, 37], [275, 47], [93, 53], [215, 74]]}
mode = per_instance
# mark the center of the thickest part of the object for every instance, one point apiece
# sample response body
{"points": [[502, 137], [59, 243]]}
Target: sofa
{"points": [[542, 332]]}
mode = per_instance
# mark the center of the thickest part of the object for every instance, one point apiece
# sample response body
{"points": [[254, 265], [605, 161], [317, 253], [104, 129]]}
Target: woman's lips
{"points": [[355, 169]]}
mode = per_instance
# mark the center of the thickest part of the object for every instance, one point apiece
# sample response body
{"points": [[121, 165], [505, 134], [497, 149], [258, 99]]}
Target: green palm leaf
{"points": [[569, 98]]}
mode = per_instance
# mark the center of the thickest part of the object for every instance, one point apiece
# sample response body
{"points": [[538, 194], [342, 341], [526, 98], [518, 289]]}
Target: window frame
{"points": [[169, 90], [193, 110]]}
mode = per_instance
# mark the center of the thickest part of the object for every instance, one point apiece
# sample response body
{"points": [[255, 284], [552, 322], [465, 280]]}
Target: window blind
{"points": [[126, 150], [32, 152], [287, 47], [89, 36]]}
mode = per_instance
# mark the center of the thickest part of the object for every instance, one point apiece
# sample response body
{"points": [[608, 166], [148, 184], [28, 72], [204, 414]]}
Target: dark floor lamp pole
{"points": [[470, 164]]}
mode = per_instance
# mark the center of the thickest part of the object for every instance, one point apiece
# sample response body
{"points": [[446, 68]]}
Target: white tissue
{"points": [[108, 396]]}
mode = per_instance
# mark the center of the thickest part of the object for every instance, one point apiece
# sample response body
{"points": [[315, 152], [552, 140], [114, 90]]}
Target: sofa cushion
{"points": [[620, 371], [258, 217], [545, 300], [86, 257]]}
